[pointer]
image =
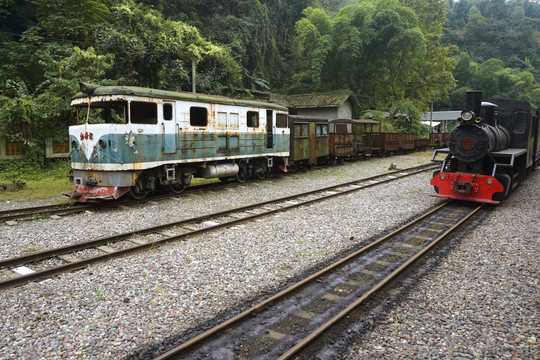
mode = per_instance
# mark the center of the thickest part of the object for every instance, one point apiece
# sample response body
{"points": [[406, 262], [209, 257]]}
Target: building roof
{"points": [[313, 100]]}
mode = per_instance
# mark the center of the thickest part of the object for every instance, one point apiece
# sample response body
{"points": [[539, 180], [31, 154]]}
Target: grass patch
{"points": [[42, 181]]}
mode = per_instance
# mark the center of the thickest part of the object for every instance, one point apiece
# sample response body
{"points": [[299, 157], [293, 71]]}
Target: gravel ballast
{"points": [[480, 302], [125, 306]]}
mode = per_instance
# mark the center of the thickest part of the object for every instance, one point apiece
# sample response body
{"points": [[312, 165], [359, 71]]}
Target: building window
{"points": [[198, 116]]}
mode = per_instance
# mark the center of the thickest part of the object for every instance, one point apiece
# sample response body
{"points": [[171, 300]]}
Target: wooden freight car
{"points": [[406, 141], [363, 131], [309, 143], [341, 139]]}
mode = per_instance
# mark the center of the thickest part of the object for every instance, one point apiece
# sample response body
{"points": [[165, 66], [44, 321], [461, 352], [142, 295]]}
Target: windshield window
{"points": [[110, 112]]}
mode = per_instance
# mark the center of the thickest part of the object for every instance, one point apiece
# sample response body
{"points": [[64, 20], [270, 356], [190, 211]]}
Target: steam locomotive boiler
{"points": [[490, 152]]}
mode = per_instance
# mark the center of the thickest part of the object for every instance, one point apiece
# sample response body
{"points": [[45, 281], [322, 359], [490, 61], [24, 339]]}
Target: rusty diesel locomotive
{"points": [[137, 140]]}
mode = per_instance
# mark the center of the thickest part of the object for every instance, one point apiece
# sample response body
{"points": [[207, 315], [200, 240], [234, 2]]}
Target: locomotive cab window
{"points": [[167, 111], [110, 112], [143, 113], [198, 116], [521, 118], [252, 119]]}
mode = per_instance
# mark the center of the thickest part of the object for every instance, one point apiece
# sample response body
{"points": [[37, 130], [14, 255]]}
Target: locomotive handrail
{"points": [[510, 165]]}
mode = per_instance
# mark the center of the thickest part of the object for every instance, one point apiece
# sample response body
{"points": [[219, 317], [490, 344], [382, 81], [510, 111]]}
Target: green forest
{"points": [[394, 55]]}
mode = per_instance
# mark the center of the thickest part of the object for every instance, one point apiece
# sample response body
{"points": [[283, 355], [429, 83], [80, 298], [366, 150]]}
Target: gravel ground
{"points": [[123, 307], [481, 302]]}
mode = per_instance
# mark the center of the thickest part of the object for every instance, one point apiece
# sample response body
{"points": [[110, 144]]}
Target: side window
{"points": [[143, 113], [234, 120], [198, 116], [297, 130], [222, 119], [252, 119], [281, 120], [321, 130], [305, 130], [520, 122], [167, 111]]}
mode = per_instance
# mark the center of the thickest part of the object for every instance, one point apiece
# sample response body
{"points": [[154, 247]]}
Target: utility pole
{"points": [[193, 75]]}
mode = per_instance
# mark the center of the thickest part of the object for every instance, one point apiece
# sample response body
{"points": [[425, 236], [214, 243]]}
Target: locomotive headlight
{"points": [[489, 181], [442, 177], [467, 115]]}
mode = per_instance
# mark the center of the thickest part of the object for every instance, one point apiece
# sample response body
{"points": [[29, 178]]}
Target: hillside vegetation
{"points": [[395, 55]]}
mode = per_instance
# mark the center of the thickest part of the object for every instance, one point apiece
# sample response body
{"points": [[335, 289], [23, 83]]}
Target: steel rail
{"points": [[19, 280], [63, 209], [193, 341], [311, 337]]}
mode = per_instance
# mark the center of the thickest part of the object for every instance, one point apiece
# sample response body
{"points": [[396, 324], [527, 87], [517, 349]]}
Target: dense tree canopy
{"points": [[387, 52], [395, 55], [500, 49]]}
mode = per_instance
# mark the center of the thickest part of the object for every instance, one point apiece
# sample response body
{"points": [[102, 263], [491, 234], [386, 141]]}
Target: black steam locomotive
{"points": [[490, 152]]}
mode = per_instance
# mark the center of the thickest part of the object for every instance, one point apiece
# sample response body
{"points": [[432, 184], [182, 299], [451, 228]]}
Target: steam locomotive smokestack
{"points": [[474, 101]]}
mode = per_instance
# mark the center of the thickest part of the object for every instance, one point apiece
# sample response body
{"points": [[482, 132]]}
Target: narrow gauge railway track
{"points": [[16, 271], [63, 209], [287, 322]]}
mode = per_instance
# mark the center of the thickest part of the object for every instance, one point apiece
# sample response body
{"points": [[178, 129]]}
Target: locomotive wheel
{"points": [[241, 176], [261, 174], [136, 194], [177, 188]]}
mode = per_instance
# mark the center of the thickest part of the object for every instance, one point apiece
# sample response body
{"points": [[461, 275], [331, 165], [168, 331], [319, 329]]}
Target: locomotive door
{"points": [[269, 129], [168, 128], [312, 143]]}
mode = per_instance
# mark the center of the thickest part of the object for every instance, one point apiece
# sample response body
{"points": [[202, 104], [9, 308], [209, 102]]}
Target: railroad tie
{"points": [[67, 258], [106, 249]]}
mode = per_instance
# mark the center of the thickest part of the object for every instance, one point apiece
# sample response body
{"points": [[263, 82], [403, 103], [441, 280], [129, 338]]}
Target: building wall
{"points": [[344, 111]]}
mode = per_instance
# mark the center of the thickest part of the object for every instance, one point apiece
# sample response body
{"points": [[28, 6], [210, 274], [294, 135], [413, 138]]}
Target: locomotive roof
{"points": [[98, 90]]}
